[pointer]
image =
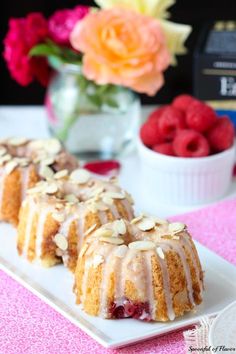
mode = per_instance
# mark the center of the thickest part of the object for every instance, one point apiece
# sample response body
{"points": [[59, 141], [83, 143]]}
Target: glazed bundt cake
{"points": [[57, 214], [146, 269], [24, 162]]}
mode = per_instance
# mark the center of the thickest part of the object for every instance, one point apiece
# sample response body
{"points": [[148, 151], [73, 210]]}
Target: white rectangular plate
{"points": [[54, 286]]}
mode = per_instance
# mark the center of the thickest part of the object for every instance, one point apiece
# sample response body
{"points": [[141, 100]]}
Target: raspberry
{"points": [[183, 101], [171, 120], [200, 117], [155, 115], [221, 135], [189, 143], [165, 148], [149, 134]]}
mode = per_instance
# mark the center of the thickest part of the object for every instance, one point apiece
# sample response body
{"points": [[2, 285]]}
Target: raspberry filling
{"points": [[126, 308]]}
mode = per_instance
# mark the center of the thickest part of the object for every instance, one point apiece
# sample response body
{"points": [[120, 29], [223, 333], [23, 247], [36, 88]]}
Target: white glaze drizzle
{"points": [[40, 232], [106, 271], [149, 282], [30, 218], [128, 208], [166, 286], [189, 247], [178, 249], [2, 177], [25, 171]]}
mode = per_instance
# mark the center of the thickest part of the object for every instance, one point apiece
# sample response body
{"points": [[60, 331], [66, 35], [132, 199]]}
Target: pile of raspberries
{"points": [[187, 128]]}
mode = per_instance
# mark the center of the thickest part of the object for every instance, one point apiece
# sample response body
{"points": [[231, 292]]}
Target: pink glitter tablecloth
{"points": [[29, 326]]}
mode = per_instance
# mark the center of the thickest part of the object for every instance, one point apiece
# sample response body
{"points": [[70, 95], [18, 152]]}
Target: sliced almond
{"points": [[146, 224], [37, 144], [175, 237], [97, 260], [119, 227], [83, 250], [48, 161], [93, 227], [50, 188], [3, 150], [136, 220], [101, 206], [107, 200], [176, 227], [160, 252], [80, 176], [104, 233], [46, 172], [71, 198], [52, 146], [96, 191], [92, 207], [121, 251], [112, 240], [10, 166], [37, 189], [142, 245], [61, 242], [58, 217], [61, 174], [5, 158], [160, 221], [114, 195], [17, 141]]}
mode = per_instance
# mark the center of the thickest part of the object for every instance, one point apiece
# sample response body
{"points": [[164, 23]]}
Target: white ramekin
{"points": [[185, 181]]}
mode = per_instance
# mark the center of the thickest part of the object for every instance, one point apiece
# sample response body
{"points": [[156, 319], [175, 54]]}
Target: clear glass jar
{"points": [[94, 122]]}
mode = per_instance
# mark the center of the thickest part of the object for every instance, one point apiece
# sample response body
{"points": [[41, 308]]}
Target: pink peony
{"points": [[23, 34], [62, 22]]}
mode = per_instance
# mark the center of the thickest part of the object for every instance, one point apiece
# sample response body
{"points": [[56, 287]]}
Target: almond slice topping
{"points": [[46, 172], [142, 245], [104, 233], [17, 141], [112, 240], [50, 188], [80, 176], [160, 252], [120, 227], [93, 227], [146, 224], [160, 221], [48, 161], [61, 242], [176, 227], [83, 250], [71, 198], [52, 146], [107, 200], [3, 150], [136, 220], [61, 174], [114, 195], [5, 158], [10, 166]]}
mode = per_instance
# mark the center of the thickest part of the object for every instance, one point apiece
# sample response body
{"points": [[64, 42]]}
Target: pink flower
{"points": [[122, 47], [62, 22], [22, 35]]}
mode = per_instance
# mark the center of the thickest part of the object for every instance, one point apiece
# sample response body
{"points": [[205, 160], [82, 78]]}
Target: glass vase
{"points": [[93, 122]]}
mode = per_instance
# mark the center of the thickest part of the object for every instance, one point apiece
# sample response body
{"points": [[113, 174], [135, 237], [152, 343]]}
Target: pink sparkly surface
{"points": [[29, 326]]}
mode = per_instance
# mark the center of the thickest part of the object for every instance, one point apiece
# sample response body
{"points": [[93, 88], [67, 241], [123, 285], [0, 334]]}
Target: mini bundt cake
{"points": [[23, 163], [147, 269], [58, 213]]}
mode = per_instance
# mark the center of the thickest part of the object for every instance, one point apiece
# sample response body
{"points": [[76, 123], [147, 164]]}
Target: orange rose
{"points": [[124, 48]]}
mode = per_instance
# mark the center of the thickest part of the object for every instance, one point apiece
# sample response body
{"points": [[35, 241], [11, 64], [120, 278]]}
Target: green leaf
{"points": [[43, 50], [95, 99], [111, 102]]}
